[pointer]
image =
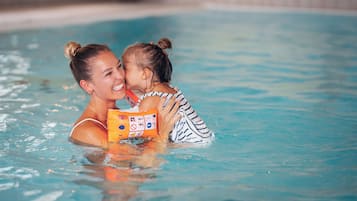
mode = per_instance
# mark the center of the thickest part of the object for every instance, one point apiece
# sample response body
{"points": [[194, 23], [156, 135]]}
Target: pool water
{"points": [[278, 89]]}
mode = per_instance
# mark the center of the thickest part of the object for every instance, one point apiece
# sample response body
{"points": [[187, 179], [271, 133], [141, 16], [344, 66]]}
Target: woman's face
{"points": [[107, 76]]}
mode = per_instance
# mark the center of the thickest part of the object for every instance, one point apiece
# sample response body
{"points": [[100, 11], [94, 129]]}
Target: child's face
{"points": [[133, 74]]}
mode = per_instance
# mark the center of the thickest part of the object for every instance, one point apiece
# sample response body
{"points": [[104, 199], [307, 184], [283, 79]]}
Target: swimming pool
{"points": [[278, 89]]}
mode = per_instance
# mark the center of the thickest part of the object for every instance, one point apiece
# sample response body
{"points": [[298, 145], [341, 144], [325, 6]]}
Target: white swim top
{"points": [[190, 128], [84, 120]]}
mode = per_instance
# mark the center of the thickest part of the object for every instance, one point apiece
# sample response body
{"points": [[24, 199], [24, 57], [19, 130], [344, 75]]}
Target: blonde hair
{"points": [[80, 58], [70, 49], [153, 56]]}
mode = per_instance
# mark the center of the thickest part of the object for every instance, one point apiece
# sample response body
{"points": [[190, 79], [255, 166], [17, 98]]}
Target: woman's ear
{"points": [[86, 86]]}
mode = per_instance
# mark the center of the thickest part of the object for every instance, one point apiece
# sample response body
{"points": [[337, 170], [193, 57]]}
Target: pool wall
{"points": [[41, 13], [319, 4]]}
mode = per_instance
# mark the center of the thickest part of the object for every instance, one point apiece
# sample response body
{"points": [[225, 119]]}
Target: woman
{"points": [[101, 75]]}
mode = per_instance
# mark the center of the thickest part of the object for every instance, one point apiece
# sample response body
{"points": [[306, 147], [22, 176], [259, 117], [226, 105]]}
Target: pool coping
{"points": [[61, 15], [54, 16]]}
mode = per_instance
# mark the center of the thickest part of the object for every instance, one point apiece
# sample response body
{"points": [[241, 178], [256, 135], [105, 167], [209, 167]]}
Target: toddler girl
{"points": [[148, 70]]}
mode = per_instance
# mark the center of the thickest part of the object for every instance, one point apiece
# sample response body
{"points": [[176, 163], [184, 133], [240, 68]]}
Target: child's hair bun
{"points": [[164, 43]]}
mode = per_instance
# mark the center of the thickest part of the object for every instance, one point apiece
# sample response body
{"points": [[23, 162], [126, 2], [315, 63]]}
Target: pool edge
{"points": [[62, 15]]}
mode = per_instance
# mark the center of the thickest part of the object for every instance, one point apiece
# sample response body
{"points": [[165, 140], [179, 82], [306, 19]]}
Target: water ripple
{"points": [[10, 174], [13, 68], [280, 91], [52, 196]]}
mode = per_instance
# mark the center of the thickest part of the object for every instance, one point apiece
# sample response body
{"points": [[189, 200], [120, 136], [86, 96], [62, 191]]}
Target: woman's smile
{"points": [[118, 87]]}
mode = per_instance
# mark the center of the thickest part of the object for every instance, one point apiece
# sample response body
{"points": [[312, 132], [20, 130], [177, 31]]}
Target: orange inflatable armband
{"points": [[124, 125], [131, 97]]}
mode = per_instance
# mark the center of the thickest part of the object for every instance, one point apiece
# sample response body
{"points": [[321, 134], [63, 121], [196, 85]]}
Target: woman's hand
{"points": [[167, 117]]}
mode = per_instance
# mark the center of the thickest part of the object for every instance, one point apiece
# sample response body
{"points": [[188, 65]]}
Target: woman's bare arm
{"points": [[167, 116], [90, 134]]}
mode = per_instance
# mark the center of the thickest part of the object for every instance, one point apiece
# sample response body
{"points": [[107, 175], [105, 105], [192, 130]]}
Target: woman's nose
{"points": [[119, 73]]}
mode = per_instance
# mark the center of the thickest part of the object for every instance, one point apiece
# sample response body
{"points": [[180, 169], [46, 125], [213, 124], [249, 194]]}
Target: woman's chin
{"points": [[119, 94]]}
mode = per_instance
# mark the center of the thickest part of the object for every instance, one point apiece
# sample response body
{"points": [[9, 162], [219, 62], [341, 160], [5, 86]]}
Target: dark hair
{"points": [[80, 58], [154, 57]]}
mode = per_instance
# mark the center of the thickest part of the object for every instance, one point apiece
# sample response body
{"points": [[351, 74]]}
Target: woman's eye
{"points": [[109, 73]]}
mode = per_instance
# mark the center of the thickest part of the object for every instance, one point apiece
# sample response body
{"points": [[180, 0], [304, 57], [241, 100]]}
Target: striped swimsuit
{"points": [[190, 128]]}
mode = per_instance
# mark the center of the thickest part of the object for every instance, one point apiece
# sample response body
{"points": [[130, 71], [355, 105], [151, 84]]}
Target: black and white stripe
{"points": [[190, 128]]}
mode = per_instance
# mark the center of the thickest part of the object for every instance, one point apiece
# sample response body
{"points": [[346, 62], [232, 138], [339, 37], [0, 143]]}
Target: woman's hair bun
{"points": [[164, 43], [71, 49]]}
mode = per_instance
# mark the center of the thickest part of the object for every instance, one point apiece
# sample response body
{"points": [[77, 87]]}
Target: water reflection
{"points": [[119, 171], [13, 67]]}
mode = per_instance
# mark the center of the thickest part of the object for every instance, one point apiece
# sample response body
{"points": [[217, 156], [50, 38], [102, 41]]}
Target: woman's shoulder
{"points": [[89, 131]]}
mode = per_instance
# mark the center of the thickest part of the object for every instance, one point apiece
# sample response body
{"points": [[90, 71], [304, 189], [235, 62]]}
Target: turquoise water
{"points": [[278, 89]]}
